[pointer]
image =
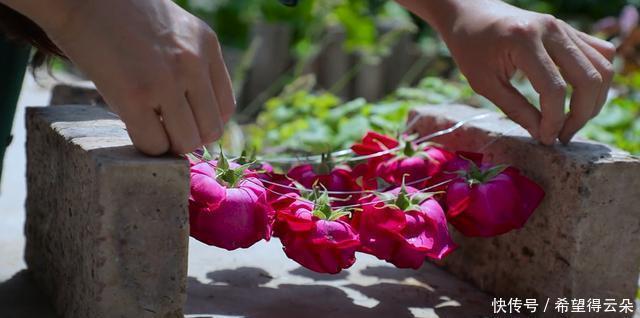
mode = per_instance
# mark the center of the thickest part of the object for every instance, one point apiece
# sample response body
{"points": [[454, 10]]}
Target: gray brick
{"points": [[107, 228], [582, 242]]}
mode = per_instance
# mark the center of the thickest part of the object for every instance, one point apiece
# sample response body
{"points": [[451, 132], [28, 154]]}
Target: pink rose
{"points": [[320, 242], [228, 213], [415, 166], [336, 179], [405, 231], [490, 200]]}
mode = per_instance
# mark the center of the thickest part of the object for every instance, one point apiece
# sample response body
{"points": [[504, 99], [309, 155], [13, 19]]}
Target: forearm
{"points": [[48, 14], [440, 14]]}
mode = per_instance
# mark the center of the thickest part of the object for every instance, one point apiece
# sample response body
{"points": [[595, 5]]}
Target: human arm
{"points": [[490, 40], [156, 65]]}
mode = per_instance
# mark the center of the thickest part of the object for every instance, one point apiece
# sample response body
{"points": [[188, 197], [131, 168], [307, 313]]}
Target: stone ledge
{"points": [[582, 242], [107, 228]]}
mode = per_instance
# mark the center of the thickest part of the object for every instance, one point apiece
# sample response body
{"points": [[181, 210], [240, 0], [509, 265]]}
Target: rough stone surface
{"points": [[106, 228], [582, 242]]}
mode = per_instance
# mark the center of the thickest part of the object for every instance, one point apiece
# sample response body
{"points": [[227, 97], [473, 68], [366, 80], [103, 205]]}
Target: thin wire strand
{"points": [[375, 155], [343, 207], [337, 192], [345, 152]]}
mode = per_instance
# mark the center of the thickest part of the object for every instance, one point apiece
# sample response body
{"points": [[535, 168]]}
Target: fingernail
{"points": [[566, 138]]}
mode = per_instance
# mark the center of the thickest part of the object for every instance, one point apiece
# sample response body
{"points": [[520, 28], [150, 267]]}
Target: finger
{"points": [[180, 125], [606, 48], [204, 106], [146, 130], [583, 77], [545, 78], [221, 81], [513, 104], [601, 63]]}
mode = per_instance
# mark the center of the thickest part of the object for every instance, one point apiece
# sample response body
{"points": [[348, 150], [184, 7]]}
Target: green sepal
{"points": [[338, 214], [191, 157], [323, 210], [408, 150], [419, 197], [206, 155], [226, 175], [247, 156], [475, 175], [493, 172], [382, 183], [223, 163]]}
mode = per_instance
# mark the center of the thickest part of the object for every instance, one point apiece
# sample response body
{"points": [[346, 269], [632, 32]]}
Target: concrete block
{"points": [[582, 242], [107, 228]]}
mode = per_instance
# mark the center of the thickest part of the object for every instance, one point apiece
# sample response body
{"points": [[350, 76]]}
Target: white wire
{"points": [[375, 155], [345, 152]]}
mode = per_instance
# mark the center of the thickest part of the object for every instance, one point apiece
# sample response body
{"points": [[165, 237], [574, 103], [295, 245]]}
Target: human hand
{"points": [[156, 65], [490, 40]]}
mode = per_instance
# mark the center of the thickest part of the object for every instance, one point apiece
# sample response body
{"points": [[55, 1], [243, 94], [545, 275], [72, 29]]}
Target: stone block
{"points": [[582, 242], [107, 228]]}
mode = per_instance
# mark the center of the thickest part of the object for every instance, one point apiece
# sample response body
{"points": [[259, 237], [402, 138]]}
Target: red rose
{"points": [[374, 142]]}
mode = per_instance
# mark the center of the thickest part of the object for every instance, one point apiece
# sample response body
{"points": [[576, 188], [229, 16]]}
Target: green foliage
{"points": [[303, 121], [233, 20], [619, 122]]}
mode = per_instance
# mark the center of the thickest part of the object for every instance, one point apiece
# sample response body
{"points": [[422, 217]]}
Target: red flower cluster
{"points": [[394, 204]]}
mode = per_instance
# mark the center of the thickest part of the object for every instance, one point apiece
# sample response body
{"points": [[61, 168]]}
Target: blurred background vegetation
{"points": [[315, 77]]}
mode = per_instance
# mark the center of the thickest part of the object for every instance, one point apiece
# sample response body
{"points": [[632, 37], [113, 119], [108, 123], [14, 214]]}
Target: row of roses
{"points": [[394, 205]]}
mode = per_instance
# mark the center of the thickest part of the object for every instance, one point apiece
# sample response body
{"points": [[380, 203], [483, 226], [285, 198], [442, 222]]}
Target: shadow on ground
{"points": [[398, 293]]}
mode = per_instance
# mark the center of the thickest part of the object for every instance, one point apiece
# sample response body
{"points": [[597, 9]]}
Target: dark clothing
{"points": [[13, 62]]}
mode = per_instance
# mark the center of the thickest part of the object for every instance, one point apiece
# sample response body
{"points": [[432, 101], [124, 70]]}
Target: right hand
{"points": [[490, 40], [156, 65]]}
